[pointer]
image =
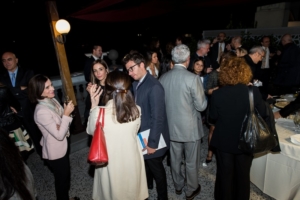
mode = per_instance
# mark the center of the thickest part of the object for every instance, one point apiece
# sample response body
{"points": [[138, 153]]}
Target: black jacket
{"points": [[288, 69], [228, 107], [150, 96]]}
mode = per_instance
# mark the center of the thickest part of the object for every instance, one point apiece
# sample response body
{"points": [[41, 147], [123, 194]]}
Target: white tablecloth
{"points": [[278, 174]]}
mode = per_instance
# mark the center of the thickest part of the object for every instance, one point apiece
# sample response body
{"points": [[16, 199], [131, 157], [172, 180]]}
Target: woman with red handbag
{"points": [[123, 176]]}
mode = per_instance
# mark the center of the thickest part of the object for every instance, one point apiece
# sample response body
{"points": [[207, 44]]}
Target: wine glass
{"points": [[297, 121]]}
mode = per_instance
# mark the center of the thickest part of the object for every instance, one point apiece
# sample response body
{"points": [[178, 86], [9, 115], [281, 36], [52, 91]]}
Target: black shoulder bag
{"points": [[255, 135]]}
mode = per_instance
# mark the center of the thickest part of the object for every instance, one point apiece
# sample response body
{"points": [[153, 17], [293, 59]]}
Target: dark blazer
{"points": [[22, 79], [229, 105], [288, 69], [252, 65], [88, 68], [213, 54], [292, 107], [150, 96], [206, 59]]}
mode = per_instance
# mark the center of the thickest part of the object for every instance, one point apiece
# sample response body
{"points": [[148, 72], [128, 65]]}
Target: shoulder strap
{"points": [[102, 110], [251, 99], [101, 113]]}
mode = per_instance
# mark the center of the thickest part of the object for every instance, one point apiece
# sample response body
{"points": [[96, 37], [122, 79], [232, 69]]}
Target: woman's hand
{"points": [[95, 95], [68, 108], [210, 91], [277, 115], [88, 88]]}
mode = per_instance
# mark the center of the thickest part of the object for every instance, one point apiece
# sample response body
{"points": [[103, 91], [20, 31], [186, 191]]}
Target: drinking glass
{"points": [[297, 121]]}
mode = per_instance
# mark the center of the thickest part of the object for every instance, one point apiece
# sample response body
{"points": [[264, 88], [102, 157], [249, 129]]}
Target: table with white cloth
{"points": [[278, 174]]}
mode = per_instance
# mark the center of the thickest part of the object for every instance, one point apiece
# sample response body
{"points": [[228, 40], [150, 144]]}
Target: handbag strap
{"points": [[101, 113], [250, 89]]}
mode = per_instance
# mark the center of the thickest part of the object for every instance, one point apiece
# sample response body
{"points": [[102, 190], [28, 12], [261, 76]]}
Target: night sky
{"points": [[26, 31]]}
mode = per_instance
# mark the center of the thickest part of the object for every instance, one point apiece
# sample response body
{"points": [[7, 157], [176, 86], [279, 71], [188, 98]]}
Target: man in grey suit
{"points": [[184, 99]]}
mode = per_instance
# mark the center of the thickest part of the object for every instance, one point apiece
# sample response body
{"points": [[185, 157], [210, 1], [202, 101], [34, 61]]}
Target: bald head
{"points": [[10, 61], [286, 38]]}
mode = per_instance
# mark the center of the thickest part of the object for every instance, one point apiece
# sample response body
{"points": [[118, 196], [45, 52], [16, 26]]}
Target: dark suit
{"points": [[26, 113], [291, 108], [288, 69], [206, 59], [88, 68], [229, 105], [150, 96], [87, 76], [213, 54]]}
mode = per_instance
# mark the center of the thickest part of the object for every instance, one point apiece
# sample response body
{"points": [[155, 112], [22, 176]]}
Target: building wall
{"points": [[274, 15]]}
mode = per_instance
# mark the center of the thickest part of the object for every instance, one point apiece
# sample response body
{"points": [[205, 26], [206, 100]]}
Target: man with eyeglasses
{"points": [[253, 58], [150, 96]]}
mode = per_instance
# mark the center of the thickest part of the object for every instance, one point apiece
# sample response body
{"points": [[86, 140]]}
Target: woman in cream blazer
{"points": [[124, 176], [53, 120]]}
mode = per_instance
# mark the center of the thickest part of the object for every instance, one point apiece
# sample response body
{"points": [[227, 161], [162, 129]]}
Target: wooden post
{"points": [[64, 70]]}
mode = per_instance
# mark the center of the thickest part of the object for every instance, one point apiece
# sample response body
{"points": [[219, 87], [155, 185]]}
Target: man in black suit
{"points": [[263, 72], [217, 48], [287, 79], [253, 58], [16, 79], [202, 51], [97, 53], [150, 96]]}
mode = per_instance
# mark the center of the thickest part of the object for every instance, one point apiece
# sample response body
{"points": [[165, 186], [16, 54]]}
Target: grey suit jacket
{"points": [[184, 95]]}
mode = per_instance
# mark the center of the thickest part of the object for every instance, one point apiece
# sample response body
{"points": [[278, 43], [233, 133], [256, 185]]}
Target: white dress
{"points": [[124, 177], [156, 72]]}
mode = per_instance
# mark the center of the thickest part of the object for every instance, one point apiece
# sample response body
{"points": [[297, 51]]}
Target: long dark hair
{"points": [[202, 73], [117, 85], [13, 178], [93, 79]]}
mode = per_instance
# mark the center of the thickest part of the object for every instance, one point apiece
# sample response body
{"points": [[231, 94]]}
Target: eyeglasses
{"points": [[130, 69], [261, 55]]}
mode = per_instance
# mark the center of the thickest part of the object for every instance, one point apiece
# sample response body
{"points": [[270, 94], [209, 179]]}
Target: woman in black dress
{"points": [[229, 105]]}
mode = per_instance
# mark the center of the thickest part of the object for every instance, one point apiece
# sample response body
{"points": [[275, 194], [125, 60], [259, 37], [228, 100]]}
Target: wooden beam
{"points": [[67, 85], [60, 53]]}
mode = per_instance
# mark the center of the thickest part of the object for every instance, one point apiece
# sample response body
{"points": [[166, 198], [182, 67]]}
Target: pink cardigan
{"points": [[54, 141]]}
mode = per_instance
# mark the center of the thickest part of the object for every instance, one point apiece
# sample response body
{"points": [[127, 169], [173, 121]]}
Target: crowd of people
{"points": [[172, 94]]}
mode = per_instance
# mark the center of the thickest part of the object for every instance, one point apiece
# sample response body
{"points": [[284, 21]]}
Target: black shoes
{"points": [[195, 193]]}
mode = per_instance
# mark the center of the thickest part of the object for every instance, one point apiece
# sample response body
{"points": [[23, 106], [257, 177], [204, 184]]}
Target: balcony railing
{"points": [[79, 85]]}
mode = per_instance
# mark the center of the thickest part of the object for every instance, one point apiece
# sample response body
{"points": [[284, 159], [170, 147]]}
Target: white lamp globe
{"points": [[62, 26]]}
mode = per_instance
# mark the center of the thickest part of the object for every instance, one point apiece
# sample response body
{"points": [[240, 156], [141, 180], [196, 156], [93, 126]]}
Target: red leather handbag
{"points": [[98, 152]]}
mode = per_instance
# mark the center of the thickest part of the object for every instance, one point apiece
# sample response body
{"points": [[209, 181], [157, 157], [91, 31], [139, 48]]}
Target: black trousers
{"points": [[61, 171], [233, 176], [155, 168]]}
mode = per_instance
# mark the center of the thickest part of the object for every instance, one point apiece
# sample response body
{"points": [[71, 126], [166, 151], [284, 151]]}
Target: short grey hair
{"points": [[180, 53], [203, 43], [256, 49]]}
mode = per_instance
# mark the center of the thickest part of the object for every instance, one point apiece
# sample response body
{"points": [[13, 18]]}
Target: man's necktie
{"points": [[220, 52], [263, 62], [13, 79], [136, 90]]}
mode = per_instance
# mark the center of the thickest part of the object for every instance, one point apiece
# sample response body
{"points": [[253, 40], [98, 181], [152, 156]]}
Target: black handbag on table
{"points": [[255, 135]]}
